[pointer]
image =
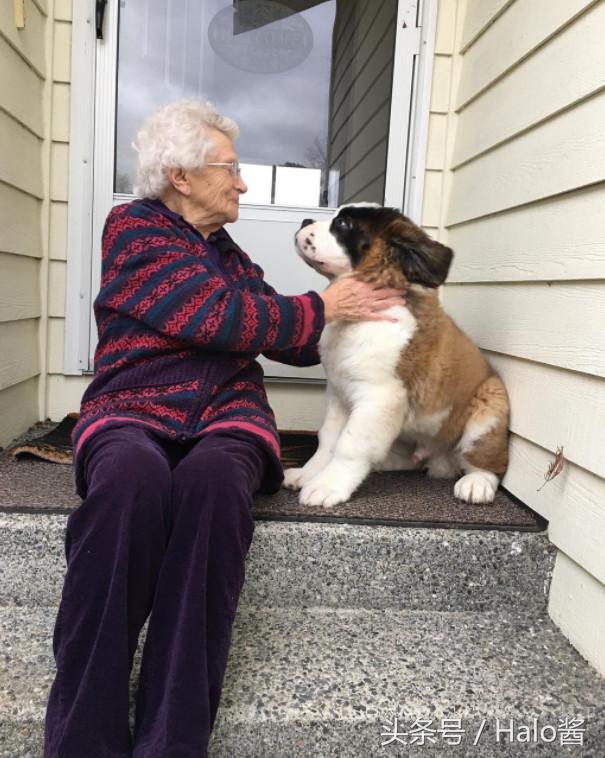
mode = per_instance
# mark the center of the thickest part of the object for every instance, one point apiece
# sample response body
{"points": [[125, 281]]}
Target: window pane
{"points": [[260, 182], [310, 90], [297, 186]]}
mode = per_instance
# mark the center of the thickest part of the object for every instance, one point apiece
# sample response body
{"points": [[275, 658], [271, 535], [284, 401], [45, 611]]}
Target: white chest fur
{"points": [[365, 352]]}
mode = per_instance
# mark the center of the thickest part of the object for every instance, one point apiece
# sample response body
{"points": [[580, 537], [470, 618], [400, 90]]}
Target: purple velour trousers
{"points": [[164, 528]]}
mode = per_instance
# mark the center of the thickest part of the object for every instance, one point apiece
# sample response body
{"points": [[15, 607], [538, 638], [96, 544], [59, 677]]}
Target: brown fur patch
{"points": [[490, 452], [377, 267]]}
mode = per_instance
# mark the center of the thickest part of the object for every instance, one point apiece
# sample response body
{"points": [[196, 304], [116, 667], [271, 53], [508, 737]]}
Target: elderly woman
{"points": [[175, 436]]}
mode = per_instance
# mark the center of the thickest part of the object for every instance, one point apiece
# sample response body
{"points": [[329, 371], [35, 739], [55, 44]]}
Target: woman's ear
{"points": [[423, 260], [179, 179]]}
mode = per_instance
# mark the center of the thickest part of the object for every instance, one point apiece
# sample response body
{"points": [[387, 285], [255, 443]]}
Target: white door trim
{"points": [[406, 51], [420, 112], [80, 198], [104, 160]]}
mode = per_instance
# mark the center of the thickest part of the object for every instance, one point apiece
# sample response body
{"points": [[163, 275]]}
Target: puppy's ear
{"points": [[423, 260]]}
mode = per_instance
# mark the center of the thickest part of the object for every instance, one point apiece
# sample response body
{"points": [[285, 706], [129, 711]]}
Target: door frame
{"points": [[92, 144]]}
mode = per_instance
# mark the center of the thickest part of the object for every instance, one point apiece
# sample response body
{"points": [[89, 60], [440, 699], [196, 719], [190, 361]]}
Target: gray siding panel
{"points": [[360, 98]]}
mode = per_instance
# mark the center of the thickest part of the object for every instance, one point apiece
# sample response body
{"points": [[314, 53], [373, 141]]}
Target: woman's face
{"points": [[213, 190]]}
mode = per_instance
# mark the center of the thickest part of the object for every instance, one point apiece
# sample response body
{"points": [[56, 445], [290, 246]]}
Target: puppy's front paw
{"points": [[476, 487], [326, 491], [293, 478]]}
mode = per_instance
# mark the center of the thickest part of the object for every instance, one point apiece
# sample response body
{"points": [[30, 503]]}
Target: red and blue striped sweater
{"points": [[180, 327]]}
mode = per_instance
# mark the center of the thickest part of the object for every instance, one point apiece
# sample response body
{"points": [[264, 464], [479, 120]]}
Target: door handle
{"points": [[99, 16]]}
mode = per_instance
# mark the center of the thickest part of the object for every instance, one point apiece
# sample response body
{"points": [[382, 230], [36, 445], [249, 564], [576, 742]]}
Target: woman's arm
{"points": [[150, 275], [307, 355], [347, 299]]}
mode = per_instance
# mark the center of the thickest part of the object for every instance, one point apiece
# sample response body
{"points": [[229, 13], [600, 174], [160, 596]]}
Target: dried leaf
{"points": [[555, 467]]}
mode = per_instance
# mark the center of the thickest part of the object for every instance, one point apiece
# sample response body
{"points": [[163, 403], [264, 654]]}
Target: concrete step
{"points": [[329, 682], [298, 564]]}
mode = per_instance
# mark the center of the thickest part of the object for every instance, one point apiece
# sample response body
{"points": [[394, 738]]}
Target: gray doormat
{"points": [[406, 498], [389, 498]]}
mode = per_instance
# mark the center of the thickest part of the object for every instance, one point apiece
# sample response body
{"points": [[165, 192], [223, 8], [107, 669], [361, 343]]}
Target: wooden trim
{"points": [[79, 225], [413, 194], [19, 6]]}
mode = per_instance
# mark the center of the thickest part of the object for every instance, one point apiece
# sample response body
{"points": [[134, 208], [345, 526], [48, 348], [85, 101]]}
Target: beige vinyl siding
{"points": [[27, 42], [22, 68], [558, 238], [524, 214]]}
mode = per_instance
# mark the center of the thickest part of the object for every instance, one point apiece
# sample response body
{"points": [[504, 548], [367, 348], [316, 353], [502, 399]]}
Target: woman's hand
{"points": [[351, 300]]}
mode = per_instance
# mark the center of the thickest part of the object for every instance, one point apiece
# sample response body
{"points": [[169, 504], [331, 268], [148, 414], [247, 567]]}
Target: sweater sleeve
{"points": [[307, 355], [151, 275]]}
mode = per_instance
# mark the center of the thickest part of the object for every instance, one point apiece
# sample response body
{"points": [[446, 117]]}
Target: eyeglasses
{"points": [[234, 167]]}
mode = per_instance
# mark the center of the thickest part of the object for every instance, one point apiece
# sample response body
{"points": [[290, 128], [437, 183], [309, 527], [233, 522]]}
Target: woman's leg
{"points": [[114, 544], [198, 589]]}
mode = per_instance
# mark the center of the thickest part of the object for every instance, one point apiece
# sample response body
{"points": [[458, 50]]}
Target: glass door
{"points": [[311, 84]]}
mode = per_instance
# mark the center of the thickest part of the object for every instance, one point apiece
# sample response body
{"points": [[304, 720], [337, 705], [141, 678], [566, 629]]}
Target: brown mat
{"points": [[54, 445], [406, 498], [390, 498]]}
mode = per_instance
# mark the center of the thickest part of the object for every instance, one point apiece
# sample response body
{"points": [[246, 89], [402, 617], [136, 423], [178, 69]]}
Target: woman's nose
{"points": [[306, 222]]}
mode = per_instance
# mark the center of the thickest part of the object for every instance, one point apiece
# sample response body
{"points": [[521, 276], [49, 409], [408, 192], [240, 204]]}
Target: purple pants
{"points": [[164, 529]]}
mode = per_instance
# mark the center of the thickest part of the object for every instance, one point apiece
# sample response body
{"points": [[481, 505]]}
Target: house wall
{"points": [[297, 406], [523, 210], [517, 116], [23, 136]]}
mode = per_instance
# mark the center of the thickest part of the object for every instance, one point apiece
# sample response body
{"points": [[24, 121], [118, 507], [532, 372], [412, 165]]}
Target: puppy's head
{"points": [[376, 242]]}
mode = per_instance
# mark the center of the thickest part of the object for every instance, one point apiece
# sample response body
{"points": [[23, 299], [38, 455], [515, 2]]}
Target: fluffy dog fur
{"points": [[407, 395]]}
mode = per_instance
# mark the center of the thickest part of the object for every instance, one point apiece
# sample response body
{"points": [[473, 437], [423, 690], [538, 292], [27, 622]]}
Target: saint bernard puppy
{"points": [[407, 395]]}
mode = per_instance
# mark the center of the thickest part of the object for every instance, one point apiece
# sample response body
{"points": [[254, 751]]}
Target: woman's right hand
{"points": [[349, 299]]}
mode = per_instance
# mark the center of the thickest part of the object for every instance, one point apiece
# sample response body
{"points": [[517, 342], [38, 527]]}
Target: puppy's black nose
{"points": [[306, 222]]}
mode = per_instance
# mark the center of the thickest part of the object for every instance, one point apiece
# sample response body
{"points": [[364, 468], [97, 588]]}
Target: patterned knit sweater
{"points": [[179, 333]]}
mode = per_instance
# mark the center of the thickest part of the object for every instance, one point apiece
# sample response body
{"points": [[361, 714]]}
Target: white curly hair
{"points": [[176, 136]]}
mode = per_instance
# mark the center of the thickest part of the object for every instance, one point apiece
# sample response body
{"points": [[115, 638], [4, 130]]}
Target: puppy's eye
{"points": [[342, 223]]}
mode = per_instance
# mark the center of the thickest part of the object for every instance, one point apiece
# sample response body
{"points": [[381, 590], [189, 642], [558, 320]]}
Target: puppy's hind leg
{"points": [[399, 458], [443, 466], [483, 447]]}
